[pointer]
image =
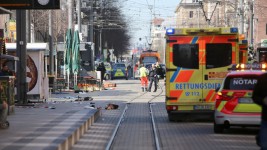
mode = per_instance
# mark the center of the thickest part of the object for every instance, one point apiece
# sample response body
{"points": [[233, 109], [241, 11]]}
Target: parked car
{"points": [[119, 70], [233, 104]]}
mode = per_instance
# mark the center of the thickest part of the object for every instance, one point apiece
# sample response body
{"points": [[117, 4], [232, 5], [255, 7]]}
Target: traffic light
{"points": [[46, 4], [30, 4]]}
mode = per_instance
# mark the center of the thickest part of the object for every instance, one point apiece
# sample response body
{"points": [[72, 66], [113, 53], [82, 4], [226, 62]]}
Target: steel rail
{"points": [[122, 117], [119, 122], [116, 128], [155, 131]]}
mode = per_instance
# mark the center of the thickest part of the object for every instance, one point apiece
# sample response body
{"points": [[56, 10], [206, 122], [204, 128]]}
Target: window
{"points": [[190, 14], [240, 83], [186, 55], [119, 66], [218, 55], [151, 60]]}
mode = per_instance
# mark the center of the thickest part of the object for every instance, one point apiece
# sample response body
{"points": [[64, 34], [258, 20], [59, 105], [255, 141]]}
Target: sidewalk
{"points": [[61, 121], [51, 125]]}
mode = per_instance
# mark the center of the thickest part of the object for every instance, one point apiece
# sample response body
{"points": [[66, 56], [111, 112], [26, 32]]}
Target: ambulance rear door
{"points": [[220, 52], [183, 68]]}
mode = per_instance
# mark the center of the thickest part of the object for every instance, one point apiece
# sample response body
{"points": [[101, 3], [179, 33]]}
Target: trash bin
{"points": [[8, 93]]}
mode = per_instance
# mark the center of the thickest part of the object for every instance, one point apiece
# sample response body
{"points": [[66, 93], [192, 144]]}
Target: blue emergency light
{"points": [[244, 41], [170, 31], [234, 30]]}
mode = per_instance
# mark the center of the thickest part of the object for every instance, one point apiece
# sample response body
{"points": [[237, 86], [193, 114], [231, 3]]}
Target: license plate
{"points": [[245, 100], [202, 107]]}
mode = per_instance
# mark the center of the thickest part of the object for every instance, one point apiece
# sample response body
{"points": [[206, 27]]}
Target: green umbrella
{"points": [[75, 53], [68, 52]]}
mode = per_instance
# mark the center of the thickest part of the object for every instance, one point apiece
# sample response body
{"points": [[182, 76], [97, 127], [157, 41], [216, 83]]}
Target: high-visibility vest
{"points": [[143, 72]]}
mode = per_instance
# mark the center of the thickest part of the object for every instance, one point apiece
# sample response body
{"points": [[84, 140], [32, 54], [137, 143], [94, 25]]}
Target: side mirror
{"points": [[217, 89]]}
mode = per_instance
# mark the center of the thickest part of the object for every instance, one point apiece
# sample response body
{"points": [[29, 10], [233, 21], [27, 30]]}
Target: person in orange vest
{"points": [[143, 72]]}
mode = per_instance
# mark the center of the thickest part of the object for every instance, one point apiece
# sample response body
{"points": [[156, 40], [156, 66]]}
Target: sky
{"points": [[139, 13]]}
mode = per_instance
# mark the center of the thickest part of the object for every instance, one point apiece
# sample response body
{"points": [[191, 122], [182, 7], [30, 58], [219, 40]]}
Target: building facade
{"points": [[260, 22]]}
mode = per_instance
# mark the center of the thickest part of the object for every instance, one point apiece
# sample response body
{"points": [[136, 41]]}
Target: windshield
{"points": [[150, 60], [119, 66]]}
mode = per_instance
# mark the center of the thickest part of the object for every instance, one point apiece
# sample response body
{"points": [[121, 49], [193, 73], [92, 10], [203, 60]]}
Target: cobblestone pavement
{"points": [[47, 125]]}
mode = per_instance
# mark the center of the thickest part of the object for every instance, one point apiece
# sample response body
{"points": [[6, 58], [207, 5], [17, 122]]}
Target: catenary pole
{"points": [[251, 22], [241, 12], [51, 49], [21, 52]]}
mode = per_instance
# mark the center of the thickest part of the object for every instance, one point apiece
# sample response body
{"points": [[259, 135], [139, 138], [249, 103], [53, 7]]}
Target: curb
{"points": [[79, 132]]}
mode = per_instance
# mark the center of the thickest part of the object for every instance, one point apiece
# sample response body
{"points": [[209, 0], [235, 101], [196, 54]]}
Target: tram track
{"points": [[136, 129], [123, 116]]}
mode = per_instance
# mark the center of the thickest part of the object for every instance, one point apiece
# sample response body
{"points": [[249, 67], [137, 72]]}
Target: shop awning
{"points": [[9, 57], [4, 11], [29, 46]]}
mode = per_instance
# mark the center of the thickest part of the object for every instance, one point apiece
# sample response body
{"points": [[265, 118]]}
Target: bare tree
{"points": [[114, 28], [41, 26]]}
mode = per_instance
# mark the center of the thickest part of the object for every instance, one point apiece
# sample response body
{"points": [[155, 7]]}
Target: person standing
{"points": [[102, 69], [143, 77], [160, 71], [5, 71], [153, 78], [129, 71], [259, 96]]}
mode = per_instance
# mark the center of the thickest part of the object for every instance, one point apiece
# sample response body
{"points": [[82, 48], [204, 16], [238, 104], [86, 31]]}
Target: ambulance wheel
{"points": [[4, 125], [170, 117], [126, 78], [218, 128]]}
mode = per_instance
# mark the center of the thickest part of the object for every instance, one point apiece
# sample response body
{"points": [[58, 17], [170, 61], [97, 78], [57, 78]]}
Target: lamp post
{"points": [[100, 43]]}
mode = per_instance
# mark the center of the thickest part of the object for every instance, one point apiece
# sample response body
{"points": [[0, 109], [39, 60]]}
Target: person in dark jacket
{"points": [[102, 68], [159, 71], [153, 78], [259, 96], [5, 71]]}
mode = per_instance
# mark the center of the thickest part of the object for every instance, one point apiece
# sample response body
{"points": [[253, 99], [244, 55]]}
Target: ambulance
{"points": [[197, 60], [233, 104], [243, 49]]}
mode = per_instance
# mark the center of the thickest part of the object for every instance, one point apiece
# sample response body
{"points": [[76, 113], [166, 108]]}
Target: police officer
{"points": [[102, 69], [153, 78]]}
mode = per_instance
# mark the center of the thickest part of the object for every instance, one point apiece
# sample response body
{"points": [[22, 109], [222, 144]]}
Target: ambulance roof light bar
{"points": [[254, 66], [234, 30], [170, 31]]}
